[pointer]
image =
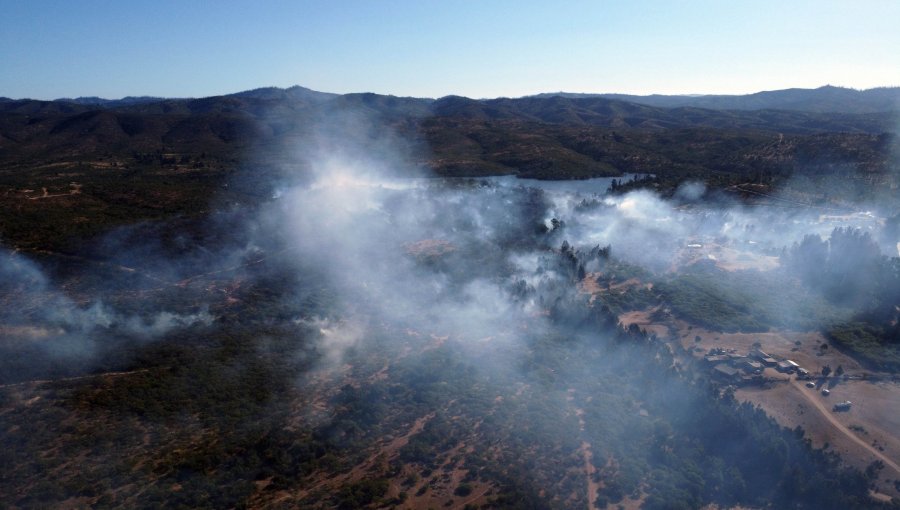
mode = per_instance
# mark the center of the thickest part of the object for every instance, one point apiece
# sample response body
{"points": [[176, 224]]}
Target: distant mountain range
{"points": [[826, 109], [546, 136], [821, 100], [827, 99]]}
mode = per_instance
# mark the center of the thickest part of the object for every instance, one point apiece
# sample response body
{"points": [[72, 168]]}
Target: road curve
{"points": [[828, 415]]}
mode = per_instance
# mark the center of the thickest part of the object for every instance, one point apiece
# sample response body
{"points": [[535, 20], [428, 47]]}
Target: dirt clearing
{"points": [[803, 347], [644, 320]]}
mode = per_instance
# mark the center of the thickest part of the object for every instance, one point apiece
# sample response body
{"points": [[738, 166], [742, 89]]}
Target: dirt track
{"points": [[828, 415]]}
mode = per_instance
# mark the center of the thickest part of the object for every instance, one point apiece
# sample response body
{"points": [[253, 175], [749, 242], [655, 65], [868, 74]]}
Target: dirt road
{"points": [[593, 488], [811, 397]]}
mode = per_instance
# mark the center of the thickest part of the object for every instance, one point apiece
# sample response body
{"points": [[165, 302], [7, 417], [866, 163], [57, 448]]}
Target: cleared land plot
{"points": [[780, 344]]}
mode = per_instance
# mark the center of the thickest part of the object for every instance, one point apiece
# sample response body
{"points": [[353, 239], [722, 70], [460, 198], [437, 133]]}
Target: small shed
{"points": [[726, 372]]}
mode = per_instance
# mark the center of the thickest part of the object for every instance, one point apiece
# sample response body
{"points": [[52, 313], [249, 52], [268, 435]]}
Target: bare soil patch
{"points": [[644, 320], [590, 284], [439, 489]]}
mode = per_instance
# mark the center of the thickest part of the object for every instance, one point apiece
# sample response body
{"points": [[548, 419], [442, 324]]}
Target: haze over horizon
{"points": [[501, 49]]}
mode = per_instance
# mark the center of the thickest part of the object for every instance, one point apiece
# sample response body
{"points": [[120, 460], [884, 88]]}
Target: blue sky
{"points": [[68, 48]]}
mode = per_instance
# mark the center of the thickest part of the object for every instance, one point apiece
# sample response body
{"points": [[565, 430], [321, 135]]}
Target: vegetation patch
{"points": [[867, 341], [747, 301]]}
